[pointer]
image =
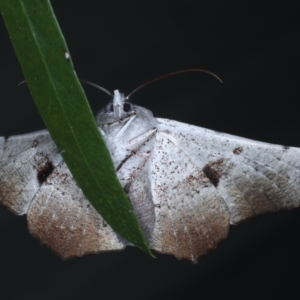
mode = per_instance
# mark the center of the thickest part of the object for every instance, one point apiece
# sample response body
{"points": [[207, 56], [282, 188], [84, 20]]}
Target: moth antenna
{"points": [[21, 82], [87, 82], [97, 86], [172, 74]]}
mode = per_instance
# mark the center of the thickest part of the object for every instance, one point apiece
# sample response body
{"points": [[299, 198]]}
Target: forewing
{"points": [[35, 180], [63, 219], [253, 177], [191, 216], [25, 162]]}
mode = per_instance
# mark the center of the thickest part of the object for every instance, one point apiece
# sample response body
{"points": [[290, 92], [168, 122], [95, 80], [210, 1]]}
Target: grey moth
{"points": [[187, 184]]}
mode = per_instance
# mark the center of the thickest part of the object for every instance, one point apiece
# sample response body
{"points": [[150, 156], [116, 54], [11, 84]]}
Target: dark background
{"points": [[254, 47]]}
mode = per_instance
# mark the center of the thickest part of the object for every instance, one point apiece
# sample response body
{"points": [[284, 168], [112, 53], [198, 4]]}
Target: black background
{"points": [[254, 47]]}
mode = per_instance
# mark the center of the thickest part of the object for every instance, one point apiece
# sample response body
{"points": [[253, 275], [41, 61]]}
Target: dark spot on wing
{"points": [[238, 150], [35, 143], [44, 171], [214, 171], [286, 147]]}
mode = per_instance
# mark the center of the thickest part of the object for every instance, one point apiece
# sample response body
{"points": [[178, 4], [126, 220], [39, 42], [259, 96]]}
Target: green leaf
{"points": [[49, 73]]}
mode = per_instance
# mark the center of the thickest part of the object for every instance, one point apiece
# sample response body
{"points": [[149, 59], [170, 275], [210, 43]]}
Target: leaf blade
{"points": [[49, 73]]}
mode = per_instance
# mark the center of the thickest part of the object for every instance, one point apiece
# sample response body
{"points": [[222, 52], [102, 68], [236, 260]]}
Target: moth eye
{"points": [[110, 107], [127, 107]]}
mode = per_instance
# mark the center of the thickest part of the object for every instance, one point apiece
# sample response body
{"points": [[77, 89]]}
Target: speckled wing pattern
{"points": [[203, 180], [252, 177], [34, 180], [186, 184], [191, 216]]}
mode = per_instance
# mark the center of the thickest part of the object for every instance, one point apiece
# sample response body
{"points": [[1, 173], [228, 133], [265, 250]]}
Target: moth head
{"points": [[119, 107], [120, 112]]}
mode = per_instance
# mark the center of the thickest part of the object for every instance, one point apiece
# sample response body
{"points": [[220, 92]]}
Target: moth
{"points": [[186, 184]]}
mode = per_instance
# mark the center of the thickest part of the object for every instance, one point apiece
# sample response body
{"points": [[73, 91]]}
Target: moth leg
{"points": [[142, 137], [124, 128]]}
